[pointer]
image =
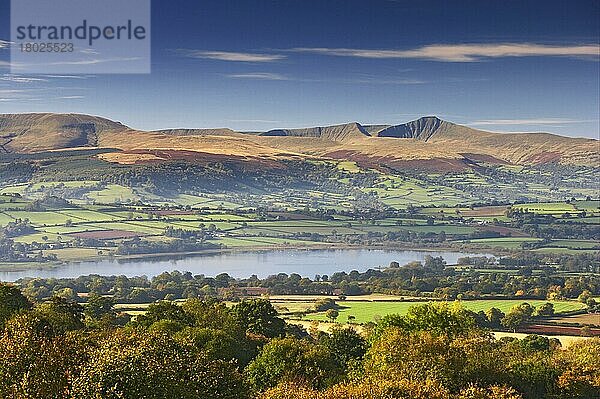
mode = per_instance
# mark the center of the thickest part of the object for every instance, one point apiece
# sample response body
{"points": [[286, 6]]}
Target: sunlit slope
{"points": [[44, 131], [427, 141], [192, 145], [518, 148]]}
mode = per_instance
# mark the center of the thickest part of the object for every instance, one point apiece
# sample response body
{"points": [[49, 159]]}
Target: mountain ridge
{"points": [[335, 132], [427, 138]]}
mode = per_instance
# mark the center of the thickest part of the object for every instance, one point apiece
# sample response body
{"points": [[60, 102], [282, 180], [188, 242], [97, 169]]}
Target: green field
{"points": [[113, 193], [576, 244], [548, 208], [503, 242], [365, 312], [418, 209], [588, 206], [238, 229], [554, 246]]}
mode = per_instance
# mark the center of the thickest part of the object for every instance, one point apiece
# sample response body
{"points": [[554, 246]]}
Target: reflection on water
{"points": [[307, 263]]}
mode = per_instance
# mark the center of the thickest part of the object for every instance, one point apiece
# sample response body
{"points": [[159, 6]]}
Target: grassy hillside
{"points": [[427, 143], [44, 131]]}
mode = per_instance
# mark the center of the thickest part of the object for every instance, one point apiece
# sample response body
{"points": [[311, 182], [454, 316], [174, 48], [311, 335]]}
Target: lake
{"points": [[307, 263]]}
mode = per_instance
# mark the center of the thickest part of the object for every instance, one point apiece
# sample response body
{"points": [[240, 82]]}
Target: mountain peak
{"points": [[421, 129], [429, 119]]}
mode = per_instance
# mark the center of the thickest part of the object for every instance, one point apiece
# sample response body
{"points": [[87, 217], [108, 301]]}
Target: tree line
{"points": [[431, 279], [206, 349]]}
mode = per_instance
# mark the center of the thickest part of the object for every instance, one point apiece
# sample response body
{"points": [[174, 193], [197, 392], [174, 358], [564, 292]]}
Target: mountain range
{"points": [[428, 143]]}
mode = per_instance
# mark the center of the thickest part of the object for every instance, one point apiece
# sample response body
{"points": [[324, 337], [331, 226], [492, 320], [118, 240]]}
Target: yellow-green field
{"points": [[365, 312]]}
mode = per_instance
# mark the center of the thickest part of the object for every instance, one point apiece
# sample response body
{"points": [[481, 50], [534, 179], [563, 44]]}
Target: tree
{"points": [[436, 317], [591, 304], [12, 301], [98, 306], [62, 314], [258, 316], [535, 343], [454, 361], [164, 310], [584, 296], [345, 344], [545, 310], [165, 326], [513, 320], [518, 316], [324, 304], [138, 364], [494, 317], [290, 359], [492, 392], [214, 315], [332, 314], [580, 375], [434, 263], [367, 388], [34, 362], [216, 344]]}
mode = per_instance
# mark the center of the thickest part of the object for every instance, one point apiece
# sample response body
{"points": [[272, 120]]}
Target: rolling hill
{"points": [[40, 132], [427, 142]]}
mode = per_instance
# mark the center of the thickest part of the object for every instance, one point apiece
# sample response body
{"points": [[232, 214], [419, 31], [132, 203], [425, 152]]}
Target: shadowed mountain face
{"points": [[426, 142], [334, 133], [421, 129], [196, 132]]}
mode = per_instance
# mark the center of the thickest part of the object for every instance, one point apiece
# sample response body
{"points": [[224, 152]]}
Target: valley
{"points": [[90, 188], [335, 213], [300, 200]]}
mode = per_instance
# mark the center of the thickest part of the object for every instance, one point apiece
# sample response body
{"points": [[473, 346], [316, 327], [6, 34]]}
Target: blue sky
{"points": [[258, 65]]}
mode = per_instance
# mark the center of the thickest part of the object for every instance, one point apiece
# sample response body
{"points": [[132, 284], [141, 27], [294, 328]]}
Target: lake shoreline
{"points": [[241, 262], [9, 267]]}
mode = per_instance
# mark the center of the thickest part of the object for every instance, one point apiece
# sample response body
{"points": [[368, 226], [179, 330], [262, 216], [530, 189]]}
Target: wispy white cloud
{"points": [[20, 79], [28, 98], [266, 121], [259, 76], [6, 100], [81, 62], [89, 51], [36, 91], [361, 79], [69, 76], [463, 52], [8, 95], [231, 56], [468, 52], [383, 81], [95, 61], [11, 91], [541, 121]]}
